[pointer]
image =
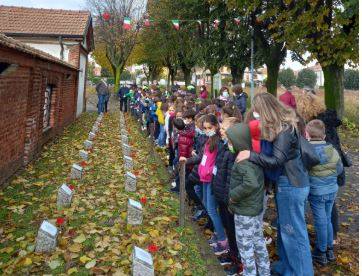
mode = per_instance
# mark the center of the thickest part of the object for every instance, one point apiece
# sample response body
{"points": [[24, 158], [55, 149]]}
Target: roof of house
{"points": [[317, 67], [17, 45], [43, 22]]}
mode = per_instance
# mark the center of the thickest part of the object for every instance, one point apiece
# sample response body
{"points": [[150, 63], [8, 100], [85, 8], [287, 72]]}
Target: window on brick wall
{"points": [[47, 107]]}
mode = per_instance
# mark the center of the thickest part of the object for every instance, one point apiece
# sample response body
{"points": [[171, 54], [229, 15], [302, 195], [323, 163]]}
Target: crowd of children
{"points": [[233, 158]]}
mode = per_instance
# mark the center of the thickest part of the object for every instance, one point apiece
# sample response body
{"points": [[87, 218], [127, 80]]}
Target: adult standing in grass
{"points": [[102, 92], [122, 92]]}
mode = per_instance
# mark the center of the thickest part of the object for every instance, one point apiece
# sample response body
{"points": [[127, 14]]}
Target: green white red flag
{"points": [[127, 23], [176, 24]]}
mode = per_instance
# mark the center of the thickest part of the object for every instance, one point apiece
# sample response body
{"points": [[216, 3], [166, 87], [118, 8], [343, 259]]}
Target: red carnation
{"points": [[60, 221], [143, 200], [71, 187], [152, 248], [83, 164], [106, 16]]}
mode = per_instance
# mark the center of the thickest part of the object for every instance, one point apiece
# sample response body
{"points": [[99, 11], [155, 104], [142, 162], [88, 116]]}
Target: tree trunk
{"points": [[187, 76], [168, 80], [334, 87], [173, 77], [272, 79], [117, 78], [237, 74]]}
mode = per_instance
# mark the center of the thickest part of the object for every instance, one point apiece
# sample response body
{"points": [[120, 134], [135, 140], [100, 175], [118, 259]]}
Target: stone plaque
{"points": [[126, 149], [91, 136], [83, 154], [46, 241], [131, 182], [88, 144], [65, 195], [128, 163], [142, 263], [134, 212], [76, 172]]}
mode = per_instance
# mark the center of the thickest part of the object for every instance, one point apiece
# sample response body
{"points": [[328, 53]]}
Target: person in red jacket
{"points": [[288, 99], [203, 92]]}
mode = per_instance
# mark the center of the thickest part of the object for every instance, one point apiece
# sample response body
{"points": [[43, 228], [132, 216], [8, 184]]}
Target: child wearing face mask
{"points": [[169, 116], [206, 161], [246, 195]]}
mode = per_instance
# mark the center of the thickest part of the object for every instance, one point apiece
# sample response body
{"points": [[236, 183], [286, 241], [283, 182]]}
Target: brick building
{"points": [[64, 34], [38, 96]]}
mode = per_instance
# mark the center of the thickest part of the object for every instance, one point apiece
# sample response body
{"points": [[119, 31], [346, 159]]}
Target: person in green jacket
{"points": [[246, 194]]}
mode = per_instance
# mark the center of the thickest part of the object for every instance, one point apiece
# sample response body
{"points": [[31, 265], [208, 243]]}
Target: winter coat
{"points": [[200, 142], [241, 102], [186, 141], [207, 164], [246, 191], [331, 122], [222, 172], [286, 156], [255, 133], [288, 99], [323, 177], [102, 88], [204, 94], [122, 92]]}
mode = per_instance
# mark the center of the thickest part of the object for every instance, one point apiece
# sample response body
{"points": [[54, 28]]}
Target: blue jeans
{"points": [[322, 211], [198, 190], [211, 206], [101, 103], [161, 140], [293, 243]]}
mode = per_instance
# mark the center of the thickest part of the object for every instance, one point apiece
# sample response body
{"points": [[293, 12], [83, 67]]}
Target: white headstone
{"points": [[130, 182], [126, 149], [91, 136], [76, 172], [83, 154], [142, 263], [124, 139], [134, 212], [46, 241], [65, 195], [128, 163], [88, 144]]}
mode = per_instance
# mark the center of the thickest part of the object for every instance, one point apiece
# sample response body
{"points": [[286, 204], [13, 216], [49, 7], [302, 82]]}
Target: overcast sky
{"points": [[81, 4]]}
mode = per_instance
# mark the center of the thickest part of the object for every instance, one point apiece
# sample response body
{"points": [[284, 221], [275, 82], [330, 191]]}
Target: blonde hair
{"points": [[230, 121], [316, 130], [309, 105], [274, 116]]}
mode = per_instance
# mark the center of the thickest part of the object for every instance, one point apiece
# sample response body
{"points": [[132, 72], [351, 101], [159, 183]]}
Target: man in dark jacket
{"points": [[102, 92], [241, 98], [122, 92]]}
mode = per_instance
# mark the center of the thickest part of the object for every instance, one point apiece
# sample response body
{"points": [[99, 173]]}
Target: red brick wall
{"points": [[22, 101]]}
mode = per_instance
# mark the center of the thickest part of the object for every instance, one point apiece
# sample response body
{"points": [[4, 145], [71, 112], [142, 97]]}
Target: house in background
{"points": [[317, 69], [66, 35]]}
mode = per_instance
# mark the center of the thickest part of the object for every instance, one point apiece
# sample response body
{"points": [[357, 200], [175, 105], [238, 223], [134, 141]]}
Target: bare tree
{"points": [[117, 42]]}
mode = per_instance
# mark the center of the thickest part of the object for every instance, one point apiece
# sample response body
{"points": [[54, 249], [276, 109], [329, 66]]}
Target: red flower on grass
{"points": [[60, 221], [143, 200], [71, 187], [83, 164], [152, 248]]}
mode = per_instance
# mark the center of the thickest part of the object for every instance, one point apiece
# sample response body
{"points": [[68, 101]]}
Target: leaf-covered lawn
{"points": [[95, 238]]}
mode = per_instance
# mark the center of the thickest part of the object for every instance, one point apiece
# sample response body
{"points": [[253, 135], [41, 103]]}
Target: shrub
{"points": [[306, 77], [287, 78], [351, 79]]}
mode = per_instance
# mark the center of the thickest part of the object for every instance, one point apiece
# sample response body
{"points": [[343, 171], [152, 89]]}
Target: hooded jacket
{"points": [[246, 190], [222, 172], [241, 101], [186, 141], [159, 113]]}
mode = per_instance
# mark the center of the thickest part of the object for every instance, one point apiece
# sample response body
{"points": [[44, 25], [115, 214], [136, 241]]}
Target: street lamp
{"points": [[252, 66]]}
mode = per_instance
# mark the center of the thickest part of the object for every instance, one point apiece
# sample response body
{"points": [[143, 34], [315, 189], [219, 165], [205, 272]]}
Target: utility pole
{"points": [[252, 66]]}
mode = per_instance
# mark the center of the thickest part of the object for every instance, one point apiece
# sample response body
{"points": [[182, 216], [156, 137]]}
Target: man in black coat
{"points": [[122, 100]]}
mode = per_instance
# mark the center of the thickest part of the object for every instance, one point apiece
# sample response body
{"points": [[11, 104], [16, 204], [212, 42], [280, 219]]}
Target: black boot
{"points": [[330, 255], [319, 257]]}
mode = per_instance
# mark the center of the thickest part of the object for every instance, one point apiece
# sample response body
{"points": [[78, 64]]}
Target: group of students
{"points": [[235, 157]]}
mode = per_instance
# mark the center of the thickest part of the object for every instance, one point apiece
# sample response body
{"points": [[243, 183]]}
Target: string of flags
{"points": [[127, 22]]}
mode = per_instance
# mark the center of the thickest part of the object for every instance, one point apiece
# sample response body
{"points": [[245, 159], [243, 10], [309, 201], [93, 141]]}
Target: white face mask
{"points": [[256, 115], [210, 133], [225, 94]]}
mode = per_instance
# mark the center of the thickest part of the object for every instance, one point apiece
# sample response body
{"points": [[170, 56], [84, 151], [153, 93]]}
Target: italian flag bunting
{"points": [[127, 23], [176, 24], [106, 16]]}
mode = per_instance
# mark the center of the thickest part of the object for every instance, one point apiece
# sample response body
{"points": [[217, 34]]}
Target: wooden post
{"points": [[182, 194]]}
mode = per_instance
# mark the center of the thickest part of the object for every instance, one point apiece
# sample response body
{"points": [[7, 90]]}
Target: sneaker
{"points": [[330, 255], [319, 257], [268, 240], [219, 249], [199, 214], [213, 240], [225, 260], [232, 271]]}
